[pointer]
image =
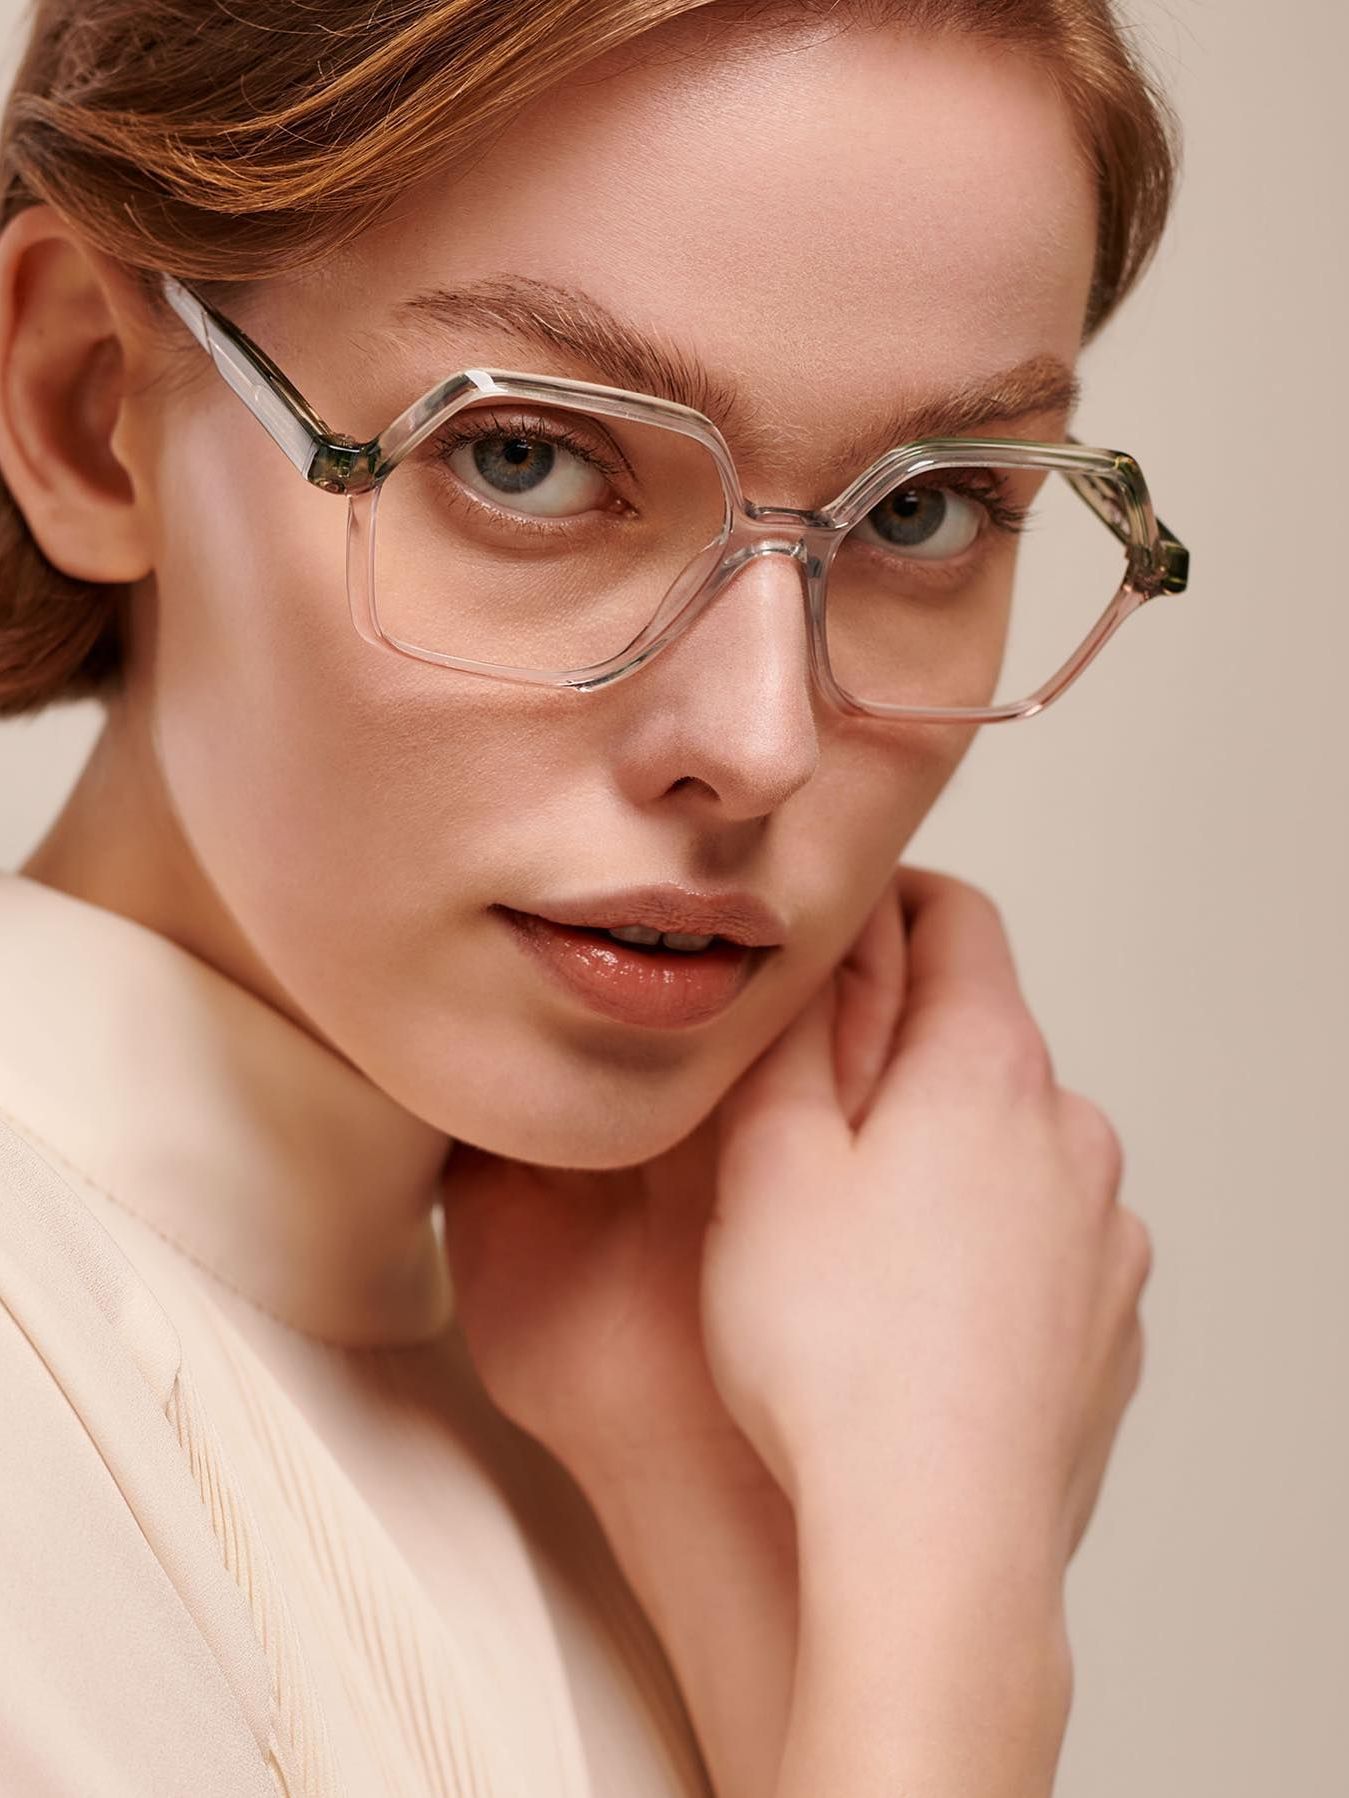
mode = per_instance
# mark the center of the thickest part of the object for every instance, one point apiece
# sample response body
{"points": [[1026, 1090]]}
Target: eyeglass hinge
{"points": [[1175, 561], [341, 465], [1163, 570]]}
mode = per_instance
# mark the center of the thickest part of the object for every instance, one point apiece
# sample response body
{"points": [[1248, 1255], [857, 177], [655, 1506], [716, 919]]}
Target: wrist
{"points": [[974, 1565], [708, 1504], [706, 1534], [897, 1502], [933, 1653]]}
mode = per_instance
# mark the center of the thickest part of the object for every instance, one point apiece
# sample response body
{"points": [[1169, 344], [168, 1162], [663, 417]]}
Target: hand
{"points": [[935, 1311], [578, 1298], [578, 1292]]}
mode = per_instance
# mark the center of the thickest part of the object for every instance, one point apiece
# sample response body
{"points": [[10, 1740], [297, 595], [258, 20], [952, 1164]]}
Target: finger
{"points": [[962, 1000], [793, 1077], [870, 999], [958, 953]]}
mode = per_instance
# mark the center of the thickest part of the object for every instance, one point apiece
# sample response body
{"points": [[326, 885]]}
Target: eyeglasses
{"points": [[559, 533]]}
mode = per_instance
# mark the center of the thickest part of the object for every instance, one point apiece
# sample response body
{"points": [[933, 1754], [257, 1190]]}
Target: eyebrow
{"points": [[564, 322]]}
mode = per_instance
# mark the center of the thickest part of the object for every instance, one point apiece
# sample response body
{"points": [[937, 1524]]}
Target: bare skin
{"points": [[263, 751], [739, 1430], [845, 1254]]}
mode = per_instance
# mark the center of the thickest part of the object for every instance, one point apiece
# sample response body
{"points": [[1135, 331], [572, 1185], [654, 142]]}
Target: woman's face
{"points": [[841, 227]]}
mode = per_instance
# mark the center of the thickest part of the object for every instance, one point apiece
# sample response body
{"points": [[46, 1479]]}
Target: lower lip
{"points": [[662, 989]]}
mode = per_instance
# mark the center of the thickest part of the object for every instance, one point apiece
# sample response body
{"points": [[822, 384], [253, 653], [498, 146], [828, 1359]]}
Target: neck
{"points": [[119, 844]]}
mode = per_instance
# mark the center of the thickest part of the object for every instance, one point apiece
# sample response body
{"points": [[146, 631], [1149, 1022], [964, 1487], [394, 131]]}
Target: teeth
{"points": [[671, 939]]}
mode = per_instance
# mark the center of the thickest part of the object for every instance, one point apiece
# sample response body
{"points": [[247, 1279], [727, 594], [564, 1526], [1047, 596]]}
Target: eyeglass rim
{"points": [[1157, 560]]}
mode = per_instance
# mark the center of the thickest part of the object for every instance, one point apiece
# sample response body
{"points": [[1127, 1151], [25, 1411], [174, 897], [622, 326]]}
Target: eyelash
{"points": [[988, 489], [532, 430]]}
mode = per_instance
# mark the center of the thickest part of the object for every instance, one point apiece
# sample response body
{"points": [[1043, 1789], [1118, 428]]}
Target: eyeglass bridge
{"points": [[758, 519]]}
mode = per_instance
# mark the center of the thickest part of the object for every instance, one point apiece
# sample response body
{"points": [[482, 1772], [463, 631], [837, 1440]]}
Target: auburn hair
{"points": [[228, 145]]}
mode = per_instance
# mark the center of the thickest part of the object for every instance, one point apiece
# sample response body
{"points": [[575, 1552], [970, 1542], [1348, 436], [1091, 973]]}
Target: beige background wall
{"points": [[1169, 847]]}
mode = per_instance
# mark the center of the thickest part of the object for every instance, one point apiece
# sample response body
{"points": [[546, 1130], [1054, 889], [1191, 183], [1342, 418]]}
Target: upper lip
{"points": [[739, 917]]}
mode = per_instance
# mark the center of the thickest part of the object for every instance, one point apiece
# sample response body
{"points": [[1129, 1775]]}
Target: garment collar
{"points": [[262, 1154]]}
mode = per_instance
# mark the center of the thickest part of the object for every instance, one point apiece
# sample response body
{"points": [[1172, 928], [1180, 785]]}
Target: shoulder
{"points": [[66, 1282], [131, 1664]]}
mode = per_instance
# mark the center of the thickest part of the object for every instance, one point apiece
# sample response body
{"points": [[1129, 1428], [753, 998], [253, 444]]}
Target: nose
{"points": [[730, 707]]}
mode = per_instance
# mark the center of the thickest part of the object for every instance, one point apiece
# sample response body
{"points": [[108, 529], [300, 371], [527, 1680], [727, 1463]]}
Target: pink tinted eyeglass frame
{"points": [[1109, 482]]}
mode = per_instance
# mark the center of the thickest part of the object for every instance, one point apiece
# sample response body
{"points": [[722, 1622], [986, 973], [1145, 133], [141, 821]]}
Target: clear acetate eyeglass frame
{"points": [[1109, 482]]}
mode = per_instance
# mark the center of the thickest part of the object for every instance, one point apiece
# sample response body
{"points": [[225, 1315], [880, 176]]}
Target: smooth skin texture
{"points": [[853, 1358], [827, 219], [267, 755]]}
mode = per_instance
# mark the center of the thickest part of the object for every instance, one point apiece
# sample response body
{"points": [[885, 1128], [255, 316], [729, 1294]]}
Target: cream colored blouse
{"points": [[261, 1531]]}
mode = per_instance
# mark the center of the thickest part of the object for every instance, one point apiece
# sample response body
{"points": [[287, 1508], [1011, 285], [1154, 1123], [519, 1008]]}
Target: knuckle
{"points": [[983, 901], [932, 881], [1095, 1137], [1012, 1046], [1138, 1246], [950, 889]]}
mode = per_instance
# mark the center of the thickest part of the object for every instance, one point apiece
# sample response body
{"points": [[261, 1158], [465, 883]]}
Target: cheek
{"points": [[876, 783], [299, 757], [840, 841], [356, 812]]}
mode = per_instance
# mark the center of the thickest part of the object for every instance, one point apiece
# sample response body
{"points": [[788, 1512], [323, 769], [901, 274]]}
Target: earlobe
{"points": [[63, 363]]}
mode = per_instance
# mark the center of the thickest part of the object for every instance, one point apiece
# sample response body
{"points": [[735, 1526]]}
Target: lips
{"points": [[644, 984], [736, 917]]}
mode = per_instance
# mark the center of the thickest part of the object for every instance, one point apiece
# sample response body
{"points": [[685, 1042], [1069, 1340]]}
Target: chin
{"points": [[611, 1125]]}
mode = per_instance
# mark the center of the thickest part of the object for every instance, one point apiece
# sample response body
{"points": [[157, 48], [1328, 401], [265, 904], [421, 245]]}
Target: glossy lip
{"points": [[735, 916], [658, 989]]}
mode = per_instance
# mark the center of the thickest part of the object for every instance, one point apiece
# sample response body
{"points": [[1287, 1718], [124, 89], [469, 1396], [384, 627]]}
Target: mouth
{"points": [[657, 958], [656, 942]]}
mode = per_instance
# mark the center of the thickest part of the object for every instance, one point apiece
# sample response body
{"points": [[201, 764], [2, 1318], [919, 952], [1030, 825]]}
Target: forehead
{"points": [[843, 219]]}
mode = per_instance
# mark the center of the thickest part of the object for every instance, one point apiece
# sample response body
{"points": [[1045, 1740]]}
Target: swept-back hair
{"points": [[226, 145]]}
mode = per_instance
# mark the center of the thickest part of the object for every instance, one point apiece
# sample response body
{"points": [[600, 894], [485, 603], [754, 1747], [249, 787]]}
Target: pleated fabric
{"points": [[245, 1551]]}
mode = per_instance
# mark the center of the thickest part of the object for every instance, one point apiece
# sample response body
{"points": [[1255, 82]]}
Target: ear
{"points": [[65, 349]]}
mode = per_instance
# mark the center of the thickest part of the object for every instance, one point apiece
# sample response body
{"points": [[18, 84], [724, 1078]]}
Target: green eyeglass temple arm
{"points": [[1175, 559], [339, 464], [323, 456], [1171, 560]]}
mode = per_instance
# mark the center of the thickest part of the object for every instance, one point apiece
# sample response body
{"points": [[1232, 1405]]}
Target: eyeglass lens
{"points": [[537, 537]]}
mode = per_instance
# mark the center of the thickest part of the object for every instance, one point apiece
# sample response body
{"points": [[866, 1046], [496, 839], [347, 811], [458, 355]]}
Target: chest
{"points": [[465, 1625]]}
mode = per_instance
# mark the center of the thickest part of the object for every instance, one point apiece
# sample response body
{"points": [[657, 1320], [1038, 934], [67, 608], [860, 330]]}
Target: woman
{"points": [[725, 1416]]}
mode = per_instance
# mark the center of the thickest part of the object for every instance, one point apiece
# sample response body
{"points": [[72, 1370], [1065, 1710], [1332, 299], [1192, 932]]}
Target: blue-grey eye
{"points": [[929, 523], [513, 464], [530, 473]]}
